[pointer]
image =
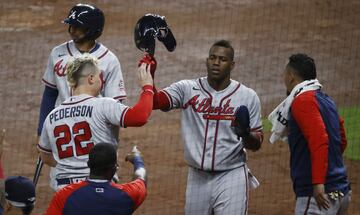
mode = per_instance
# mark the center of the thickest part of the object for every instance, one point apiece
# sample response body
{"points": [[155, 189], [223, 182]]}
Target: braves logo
{"points": [[59, 69], [224, 112]]}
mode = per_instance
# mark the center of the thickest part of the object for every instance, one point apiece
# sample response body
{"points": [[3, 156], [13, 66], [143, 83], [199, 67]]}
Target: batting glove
{"points": [[150, 61]]}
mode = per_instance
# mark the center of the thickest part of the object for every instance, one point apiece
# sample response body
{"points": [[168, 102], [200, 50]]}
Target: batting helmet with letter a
{"points": [[152, 26], [88, 17]]}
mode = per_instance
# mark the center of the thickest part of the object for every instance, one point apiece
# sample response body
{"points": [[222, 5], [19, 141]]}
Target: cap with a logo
{"points": [[19, 191]]}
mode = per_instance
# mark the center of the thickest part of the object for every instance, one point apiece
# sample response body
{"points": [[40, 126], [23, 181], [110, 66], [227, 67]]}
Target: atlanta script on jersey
{"points": [[207, 114]]}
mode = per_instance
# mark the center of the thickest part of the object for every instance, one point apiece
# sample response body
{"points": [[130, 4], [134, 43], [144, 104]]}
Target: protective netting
{"points": [[263, 32]]}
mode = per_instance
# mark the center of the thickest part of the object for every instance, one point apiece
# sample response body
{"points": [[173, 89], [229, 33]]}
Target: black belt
{"points": [[64, 181]]}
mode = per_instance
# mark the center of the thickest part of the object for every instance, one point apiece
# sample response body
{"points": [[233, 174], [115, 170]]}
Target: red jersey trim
{"points": [[49, 84], [214, 146], [119, 97], [101, 56], [49, 151], [122, 117], [169, 98], [236, 88], [71, 103], [257, 129], [203, 154], [68, 49]]}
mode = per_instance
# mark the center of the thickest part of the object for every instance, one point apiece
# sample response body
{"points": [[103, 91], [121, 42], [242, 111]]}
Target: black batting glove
{"points": [[241, 124]]}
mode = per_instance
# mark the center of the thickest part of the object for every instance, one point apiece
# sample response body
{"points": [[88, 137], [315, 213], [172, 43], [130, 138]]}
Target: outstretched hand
{"points": [[144, 76], [131, 156]]}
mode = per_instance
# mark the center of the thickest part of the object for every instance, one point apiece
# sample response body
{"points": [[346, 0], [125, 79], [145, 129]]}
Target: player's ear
{"points": [[232, 65]]}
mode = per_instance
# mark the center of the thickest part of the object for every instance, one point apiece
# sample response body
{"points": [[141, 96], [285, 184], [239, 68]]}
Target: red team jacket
{"points": [[316, 140], [94, 197]]}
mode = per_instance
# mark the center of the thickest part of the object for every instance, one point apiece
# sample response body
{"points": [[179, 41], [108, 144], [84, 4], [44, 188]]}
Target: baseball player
{"points": [[220, 118], [316, 137], [97, 195], [86, 24], [83, 120]]}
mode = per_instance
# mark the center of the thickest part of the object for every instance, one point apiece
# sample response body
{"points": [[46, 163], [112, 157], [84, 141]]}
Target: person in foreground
{"points": [[98, 195], [309, 120], [19, 196], [220, 119]]}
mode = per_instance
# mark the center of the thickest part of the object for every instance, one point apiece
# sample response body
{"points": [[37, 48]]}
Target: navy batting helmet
{"points": [[148, 28], [88, 17]]}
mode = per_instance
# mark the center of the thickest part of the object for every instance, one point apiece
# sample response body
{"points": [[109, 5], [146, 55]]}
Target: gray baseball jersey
{"points": [[71, 129], [207, 114], [109, 65]]}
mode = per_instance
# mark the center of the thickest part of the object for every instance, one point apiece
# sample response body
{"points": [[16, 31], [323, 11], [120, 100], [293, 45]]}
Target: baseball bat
{"points": [[39, 165]]}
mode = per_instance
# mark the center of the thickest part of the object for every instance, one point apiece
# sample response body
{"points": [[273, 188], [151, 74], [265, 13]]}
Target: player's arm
{"points": [[140, 112], [306, 113], [137, 188], [44, 148], [47, 105], [248, 125]]}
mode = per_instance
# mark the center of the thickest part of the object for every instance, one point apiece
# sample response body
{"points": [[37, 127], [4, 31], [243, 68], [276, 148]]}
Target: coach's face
{"points": [[219, 63]]}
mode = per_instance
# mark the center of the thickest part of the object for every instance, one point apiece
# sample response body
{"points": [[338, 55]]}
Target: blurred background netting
{"points": [[263, 32]]}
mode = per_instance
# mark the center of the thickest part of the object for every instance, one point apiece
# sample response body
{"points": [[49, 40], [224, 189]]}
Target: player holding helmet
{"points": [[86, 24]]}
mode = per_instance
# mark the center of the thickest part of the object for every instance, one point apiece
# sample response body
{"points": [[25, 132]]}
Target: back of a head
{"points": [[102, 157], [303, 65], [80, 67], [20, 193]]}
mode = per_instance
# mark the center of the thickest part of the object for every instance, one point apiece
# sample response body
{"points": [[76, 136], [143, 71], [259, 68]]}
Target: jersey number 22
{"points": [[79, 137]]}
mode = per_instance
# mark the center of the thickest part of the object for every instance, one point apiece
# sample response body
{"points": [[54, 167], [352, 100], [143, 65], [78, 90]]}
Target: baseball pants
{"points": [[215, 193], [308, 205]]}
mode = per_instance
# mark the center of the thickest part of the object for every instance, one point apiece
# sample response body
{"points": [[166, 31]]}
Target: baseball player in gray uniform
{"points": [[220, 119], [83, 120]]}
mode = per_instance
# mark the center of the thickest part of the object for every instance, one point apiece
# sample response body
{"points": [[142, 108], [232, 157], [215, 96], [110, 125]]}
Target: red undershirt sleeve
{"points": [[305, 110], [343, 135], [138, 115], [161, 100], [136, 191]]}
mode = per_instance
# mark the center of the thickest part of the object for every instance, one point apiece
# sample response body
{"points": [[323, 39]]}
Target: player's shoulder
{"points": [[106, 52], [60, 48], [65, 192], [189, 82], [245, 89]]}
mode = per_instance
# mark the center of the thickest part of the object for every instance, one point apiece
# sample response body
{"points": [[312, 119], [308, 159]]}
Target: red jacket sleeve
{"points": [[343, 135], [306, 113], [58, 201], [138, 115], [161, 100], [135, 189]]}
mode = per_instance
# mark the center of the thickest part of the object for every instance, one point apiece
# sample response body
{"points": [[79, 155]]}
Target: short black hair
{"points": [[226, 44], [102, 157], [303, 65]]}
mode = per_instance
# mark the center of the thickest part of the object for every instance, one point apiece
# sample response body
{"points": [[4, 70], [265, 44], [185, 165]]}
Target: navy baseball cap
{"points": [[19, 191]]}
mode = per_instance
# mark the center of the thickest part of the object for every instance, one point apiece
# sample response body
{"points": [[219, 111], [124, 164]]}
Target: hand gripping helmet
{"points": [[148, 28], [89, 17]]}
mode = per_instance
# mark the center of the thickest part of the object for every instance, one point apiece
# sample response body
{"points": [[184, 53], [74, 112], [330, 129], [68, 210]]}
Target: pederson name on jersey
{"points": [[69, 112]]}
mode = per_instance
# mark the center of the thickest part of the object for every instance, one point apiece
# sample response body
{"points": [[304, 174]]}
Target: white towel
{"points": [[280, 115]]}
